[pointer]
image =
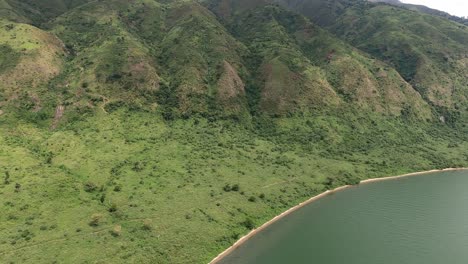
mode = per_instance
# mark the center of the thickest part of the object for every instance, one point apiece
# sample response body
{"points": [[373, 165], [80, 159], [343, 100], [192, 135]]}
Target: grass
{"points": [[20, 37], [9, 58], [30, 57], [162, 157], [130, 187]]}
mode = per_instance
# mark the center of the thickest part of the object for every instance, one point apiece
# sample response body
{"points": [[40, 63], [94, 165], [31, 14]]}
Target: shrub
{"points": [[147, 225], [114, 77], [17, 187], [117, 231], [138, 166], [89, 187], [227, 188], [112, 208], [235, 188], [6, 181], [248, 223], [103, 198], [95, 220], [235, 236]]}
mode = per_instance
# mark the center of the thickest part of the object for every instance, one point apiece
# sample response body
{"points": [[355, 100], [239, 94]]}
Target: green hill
{"points": [[304, 67], [36, 12], [428, 51], [425, 9], [162, 131]]}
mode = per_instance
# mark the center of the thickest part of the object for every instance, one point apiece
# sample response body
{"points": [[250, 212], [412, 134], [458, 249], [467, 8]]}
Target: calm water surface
{"points": [[414, 220]]}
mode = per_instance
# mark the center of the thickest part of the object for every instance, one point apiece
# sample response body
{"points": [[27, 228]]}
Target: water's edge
{"points": [[310, 200]]}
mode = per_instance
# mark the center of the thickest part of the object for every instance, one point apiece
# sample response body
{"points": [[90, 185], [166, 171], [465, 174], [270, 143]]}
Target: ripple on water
{"points": [[414, 220]]}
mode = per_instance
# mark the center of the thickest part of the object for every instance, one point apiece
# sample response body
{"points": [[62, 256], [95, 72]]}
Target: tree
{"points": [[248, 223]]}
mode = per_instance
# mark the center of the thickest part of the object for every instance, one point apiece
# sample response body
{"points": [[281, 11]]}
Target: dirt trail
{"points": [[276, 183], [59, 110], [105, 101]]}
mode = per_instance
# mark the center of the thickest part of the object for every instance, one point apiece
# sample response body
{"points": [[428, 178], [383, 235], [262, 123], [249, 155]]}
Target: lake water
{"points": [[414, 220]]}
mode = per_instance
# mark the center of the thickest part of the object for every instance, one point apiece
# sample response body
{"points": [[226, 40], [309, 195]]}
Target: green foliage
{"points": [[252, 199], [89, 187], [39, 12], [181, 123], [249, 224], [427, 10], [427, 51], [235, 188], [159, 177], [95, 220], [8, 58]]}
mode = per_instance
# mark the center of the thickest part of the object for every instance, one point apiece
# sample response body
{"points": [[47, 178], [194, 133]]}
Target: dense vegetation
{"points": [[161, 131], [427, 10]]}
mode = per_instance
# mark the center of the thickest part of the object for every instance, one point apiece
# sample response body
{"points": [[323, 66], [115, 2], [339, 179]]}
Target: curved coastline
{"points": [[319, 196]]}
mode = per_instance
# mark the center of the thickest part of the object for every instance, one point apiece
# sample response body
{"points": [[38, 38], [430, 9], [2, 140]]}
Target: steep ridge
{"points": [[37, 12], [201, 58], [179, 58], [29, 59], [425, 9], [107, 64], [148, 54], [303, 67], [428, 51]]}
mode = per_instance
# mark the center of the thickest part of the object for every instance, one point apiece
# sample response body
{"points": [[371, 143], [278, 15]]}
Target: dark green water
{"points": [[414, 220]]}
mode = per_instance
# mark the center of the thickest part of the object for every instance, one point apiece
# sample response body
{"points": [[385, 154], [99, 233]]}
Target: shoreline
{"points": [[312, 199]]}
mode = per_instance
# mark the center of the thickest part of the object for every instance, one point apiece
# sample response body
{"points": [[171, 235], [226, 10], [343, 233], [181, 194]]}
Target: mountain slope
{"points": [[162, 131], [37, 12], [425, 9], [327, 71], [143, 53], [428, 51], [29, 59], [181, 59]]}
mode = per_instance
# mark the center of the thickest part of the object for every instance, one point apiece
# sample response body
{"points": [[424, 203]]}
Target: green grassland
{"points": [[130, 187], [162, 131]]}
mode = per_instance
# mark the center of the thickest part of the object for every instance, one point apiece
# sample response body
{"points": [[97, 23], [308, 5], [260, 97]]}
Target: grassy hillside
{"points": [[30, 58], [425, 9], [162, 131], [303, 67], [428, 51], [37, 12], [128, 187], [175, 55], [182, 59]]}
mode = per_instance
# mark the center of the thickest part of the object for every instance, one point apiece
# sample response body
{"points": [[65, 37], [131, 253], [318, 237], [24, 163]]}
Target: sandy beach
{"points": [[285, 213]]}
